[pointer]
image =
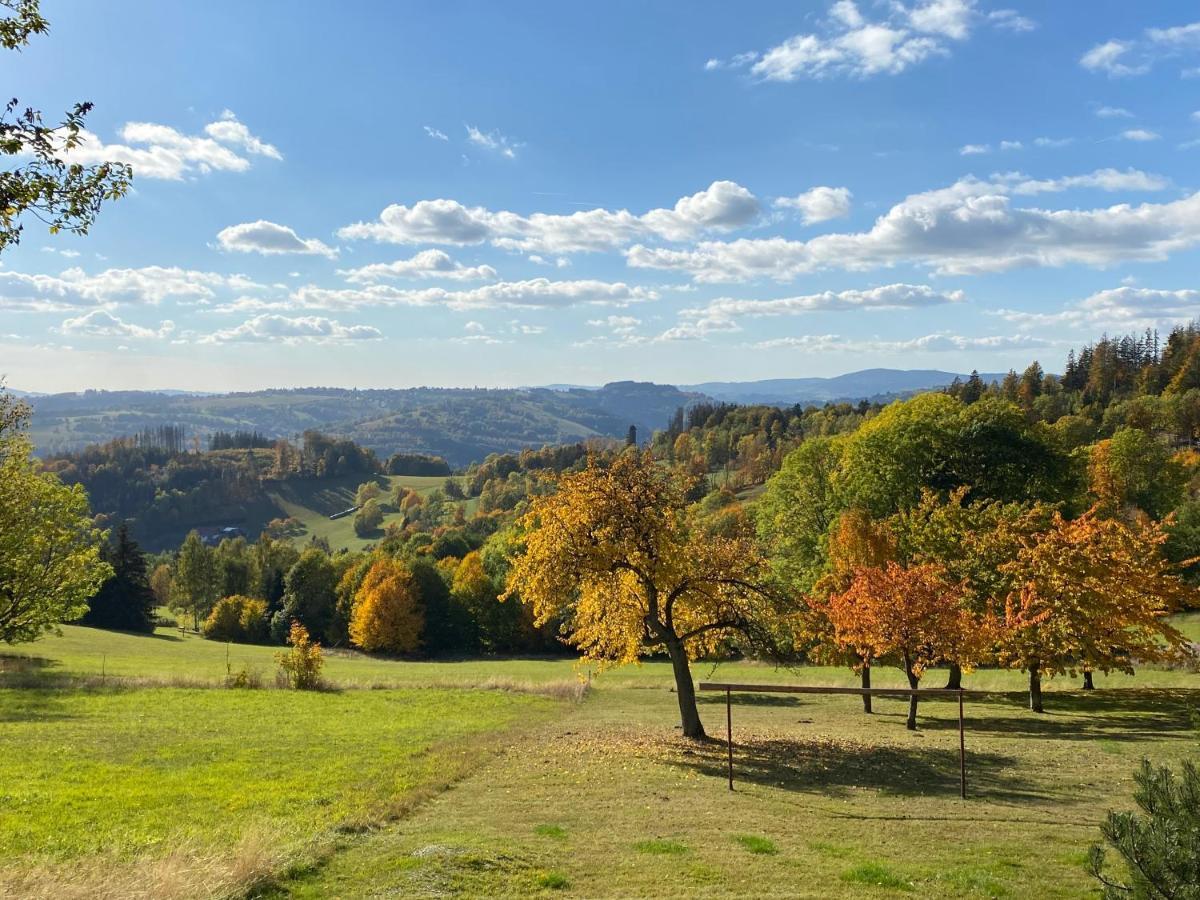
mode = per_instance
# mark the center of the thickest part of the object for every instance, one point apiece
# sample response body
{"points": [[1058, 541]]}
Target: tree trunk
{"points": [[914, 683], [866, 683], [954, 682], [1088, 685], [1035, 688], [689, 715]]}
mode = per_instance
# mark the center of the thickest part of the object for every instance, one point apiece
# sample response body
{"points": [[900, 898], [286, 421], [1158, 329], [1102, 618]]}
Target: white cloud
{"points": [[162, 152], [1011, 145], [621, 325], [228, 130], [74, 288], [270, 239], [851, 45], [819, 204], [1139, 134], [974, 149], [534, 293], [722, 206], [1011, 20], [1053, 143], [69, 254], [288, 330], [1101, 179], [930, 343], [493, 140], [1123, 58], [426, 264], [436, 134], [101, 323], [1113, 112], [969, 227], [1126, 308], [886, 297]]}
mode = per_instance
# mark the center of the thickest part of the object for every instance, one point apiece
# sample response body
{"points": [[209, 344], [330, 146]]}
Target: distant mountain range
{"points": [[868, 384], [461, 424]]}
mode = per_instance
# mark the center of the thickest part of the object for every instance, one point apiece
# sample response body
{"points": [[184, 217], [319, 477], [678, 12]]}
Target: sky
{"points": [[383, 194]]}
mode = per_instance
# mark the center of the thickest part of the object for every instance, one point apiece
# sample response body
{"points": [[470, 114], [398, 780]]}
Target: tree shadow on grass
{"points": [[832, 768], [1126, 714], [24, 665], [770, 700]]}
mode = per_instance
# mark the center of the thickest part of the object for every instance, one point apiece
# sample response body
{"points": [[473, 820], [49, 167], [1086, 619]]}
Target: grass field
{"points": [[312, 501], [195, 791]]}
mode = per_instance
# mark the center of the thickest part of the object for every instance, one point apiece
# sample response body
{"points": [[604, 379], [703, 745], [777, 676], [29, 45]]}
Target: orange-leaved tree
{"points": [[617, 555], [913, 617], [1091, 593], [856, 541], [387, 611]]}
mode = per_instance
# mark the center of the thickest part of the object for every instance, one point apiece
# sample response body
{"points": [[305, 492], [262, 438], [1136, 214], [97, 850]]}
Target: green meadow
{"points": [[130, 771]]}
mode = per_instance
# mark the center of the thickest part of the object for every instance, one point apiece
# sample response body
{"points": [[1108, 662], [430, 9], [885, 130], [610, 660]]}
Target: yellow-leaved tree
{"points": [[617, 555], [387, 611], [1091, 594]]}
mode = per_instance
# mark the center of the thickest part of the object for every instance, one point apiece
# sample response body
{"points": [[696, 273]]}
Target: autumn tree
{"points": [[1092, 594], [913, 617], [971, 542], [387, 612], [46, 184], [301, 664], [50, 561], [615, 553]]}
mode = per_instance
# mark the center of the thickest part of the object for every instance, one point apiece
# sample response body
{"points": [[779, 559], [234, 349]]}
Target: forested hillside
{"points": [[460, 425]]}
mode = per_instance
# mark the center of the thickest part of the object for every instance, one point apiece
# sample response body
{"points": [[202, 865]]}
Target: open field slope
{"points": [[120, 782]]}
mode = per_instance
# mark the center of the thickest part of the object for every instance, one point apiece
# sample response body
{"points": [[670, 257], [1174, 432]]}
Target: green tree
{"points": [[50, 559], [47, 185], [1160, 846], [368, 519], [125, 601], [309, 591], [196, 585], [797, 510]]}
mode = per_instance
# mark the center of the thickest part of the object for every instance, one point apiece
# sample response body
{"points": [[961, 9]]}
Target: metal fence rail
{"points": [[730, 689]]}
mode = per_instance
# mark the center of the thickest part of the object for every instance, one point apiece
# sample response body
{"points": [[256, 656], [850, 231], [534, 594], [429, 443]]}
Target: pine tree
{"points": [[125, 601], [1161, 845]]}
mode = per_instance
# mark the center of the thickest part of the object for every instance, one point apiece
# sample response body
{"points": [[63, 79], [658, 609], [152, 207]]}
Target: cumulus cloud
{"points": [[436, 134], [723, 206], [819, 204], [270, 328], [969, 227], [426, 264], [974, 149], [270, 239], [162, 152], [1121, 58], [102, 323], [1139, 134], [851, 45], [74, 288], [228, 130], [1113, 112]]}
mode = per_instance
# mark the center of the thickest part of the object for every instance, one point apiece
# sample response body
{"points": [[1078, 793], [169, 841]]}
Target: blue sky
{"points": [[387, 194]]}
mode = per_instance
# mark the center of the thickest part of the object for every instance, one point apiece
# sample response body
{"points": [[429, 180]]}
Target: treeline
{"points": [[418, 592], [238, 440]]}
